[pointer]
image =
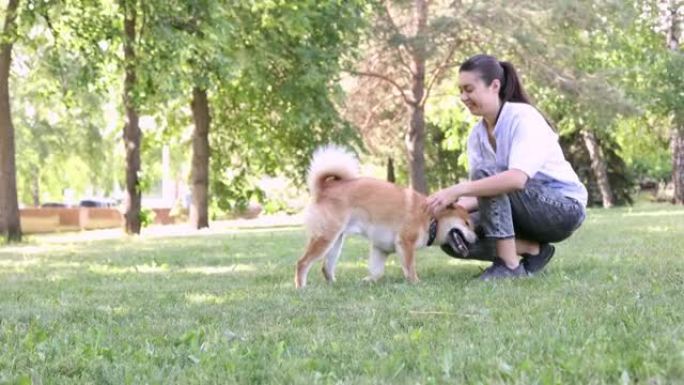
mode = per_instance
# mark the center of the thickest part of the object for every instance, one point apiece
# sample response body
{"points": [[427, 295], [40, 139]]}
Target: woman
{"points": [[522, 192]]}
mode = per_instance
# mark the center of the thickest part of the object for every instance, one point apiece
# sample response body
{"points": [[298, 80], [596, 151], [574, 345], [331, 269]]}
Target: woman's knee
{"points": [[552, 233]]}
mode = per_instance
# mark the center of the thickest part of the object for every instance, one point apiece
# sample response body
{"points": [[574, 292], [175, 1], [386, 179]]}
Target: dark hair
{"points": [[490, 68], [511, 89]]}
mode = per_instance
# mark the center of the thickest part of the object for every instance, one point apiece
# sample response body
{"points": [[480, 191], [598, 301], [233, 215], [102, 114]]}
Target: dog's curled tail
{"points": [[331, 161]]}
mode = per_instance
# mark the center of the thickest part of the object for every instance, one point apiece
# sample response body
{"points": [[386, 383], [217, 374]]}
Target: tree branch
{"points": [[397, 31], [396, 85], [439, 70]]}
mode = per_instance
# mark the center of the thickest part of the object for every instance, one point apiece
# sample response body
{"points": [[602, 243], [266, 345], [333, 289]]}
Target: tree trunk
{"points": [[390, 170], [672, 34], [132, 134], [415, 137], [677, 134], [599, 168], [199, 217], [10, 225], [677, 145], [35, 186]]}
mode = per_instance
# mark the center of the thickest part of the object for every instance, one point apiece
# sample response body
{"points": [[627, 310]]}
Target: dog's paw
{"points": [[413, 280], [370, 279], [329, 276]]}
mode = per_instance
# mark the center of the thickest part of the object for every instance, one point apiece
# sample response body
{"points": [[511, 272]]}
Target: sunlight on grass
{"points": [[55, 277], [659, 213], [199, 298], [116, 270], [27, 266], [210, 270], [355, 263], [19, 263], [657, 229], [26, 249], [114, 310], [164, 268]]}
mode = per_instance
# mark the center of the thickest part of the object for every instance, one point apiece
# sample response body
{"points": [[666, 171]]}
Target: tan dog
{"points": [[393, 218]]}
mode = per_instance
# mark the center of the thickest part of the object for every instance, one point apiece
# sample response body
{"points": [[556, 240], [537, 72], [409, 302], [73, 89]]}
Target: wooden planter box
{"points": [[55, 219]]}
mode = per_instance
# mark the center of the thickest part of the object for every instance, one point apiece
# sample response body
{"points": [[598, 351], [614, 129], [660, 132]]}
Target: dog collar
{"points": [[432, 234]]}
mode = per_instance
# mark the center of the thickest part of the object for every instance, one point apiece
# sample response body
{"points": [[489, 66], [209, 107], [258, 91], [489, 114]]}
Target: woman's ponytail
{"points": [[511, 88], [490, 68]]}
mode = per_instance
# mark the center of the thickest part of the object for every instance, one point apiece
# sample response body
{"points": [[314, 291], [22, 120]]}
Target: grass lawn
{"points": [[222, 309]]}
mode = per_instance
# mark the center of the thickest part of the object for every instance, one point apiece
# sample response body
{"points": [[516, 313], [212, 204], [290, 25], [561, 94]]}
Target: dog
{"points": [[393, 218]]}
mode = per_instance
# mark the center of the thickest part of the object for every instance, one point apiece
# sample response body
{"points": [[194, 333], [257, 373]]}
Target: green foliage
{"points": [[577, 60], [614, 89], [234, 187], [620, 178], [253, 57], [644, 146], [147, 217], [662, 82], [672, 86], [447, 135], [279, 104], [62, 136], [271, 69], [222, 309], [276, 206]]}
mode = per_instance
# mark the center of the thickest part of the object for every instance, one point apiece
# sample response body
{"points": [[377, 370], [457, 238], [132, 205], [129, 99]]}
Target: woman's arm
{"points": [[507, 181], [498, 184], [468, 203]]}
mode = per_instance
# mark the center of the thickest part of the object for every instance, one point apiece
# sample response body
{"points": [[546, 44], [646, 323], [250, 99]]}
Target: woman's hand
{"points": [[442, 198]]}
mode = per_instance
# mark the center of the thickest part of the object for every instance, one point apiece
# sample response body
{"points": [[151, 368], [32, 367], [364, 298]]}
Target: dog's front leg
{"points": [[376, 264], [407, 253]]}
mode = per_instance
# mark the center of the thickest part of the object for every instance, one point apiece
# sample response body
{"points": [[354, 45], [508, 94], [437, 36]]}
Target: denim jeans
{"points": [[536, 213]]}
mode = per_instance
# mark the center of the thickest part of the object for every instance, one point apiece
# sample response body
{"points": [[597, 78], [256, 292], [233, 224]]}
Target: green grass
{"points": [[222, 309]]}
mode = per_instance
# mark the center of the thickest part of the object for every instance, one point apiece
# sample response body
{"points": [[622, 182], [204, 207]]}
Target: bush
{"points": [[147, 217]]}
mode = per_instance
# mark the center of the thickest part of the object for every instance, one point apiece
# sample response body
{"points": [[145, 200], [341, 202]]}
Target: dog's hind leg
{"points": [[317, 247], [331, 258], [376, 264]]}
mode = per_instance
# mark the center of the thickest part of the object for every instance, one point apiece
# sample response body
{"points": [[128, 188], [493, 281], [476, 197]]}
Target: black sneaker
{"points": [[535, 263], [498, 270]]}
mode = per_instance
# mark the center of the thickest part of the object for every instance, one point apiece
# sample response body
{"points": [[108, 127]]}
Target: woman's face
{"points": [[476, 95]]}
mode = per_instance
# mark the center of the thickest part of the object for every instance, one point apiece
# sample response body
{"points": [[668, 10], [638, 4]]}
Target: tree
{"points": [[279, 101], [674, 20], [415, 137], [105, 36], [259, 78], [199, 216], [179, 68], [414, 52], [599, 167], [10, 226], [62, 80], [655, 79], [411, 53], [131, 132], [202, 66]]}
